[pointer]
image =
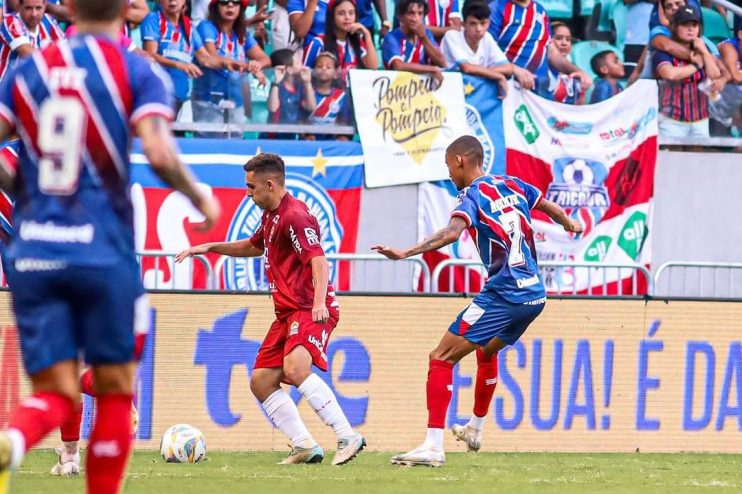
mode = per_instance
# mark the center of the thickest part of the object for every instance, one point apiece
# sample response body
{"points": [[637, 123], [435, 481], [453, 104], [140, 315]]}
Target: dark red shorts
{"points": [[292, 330]]}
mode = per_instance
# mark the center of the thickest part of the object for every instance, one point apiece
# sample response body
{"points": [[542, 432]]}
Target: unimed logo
{"points": [[9, 374]]}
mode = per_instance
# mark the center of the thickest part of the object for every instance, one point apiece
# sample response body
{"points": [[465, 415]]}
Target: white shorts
{"points": [[674, 128]]}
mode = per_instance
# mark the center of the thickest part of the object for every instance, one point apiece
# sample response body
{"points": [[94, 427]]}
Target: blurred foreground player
{"points": [[70, 262], [306, 312], [68, 455], [497, 212]]}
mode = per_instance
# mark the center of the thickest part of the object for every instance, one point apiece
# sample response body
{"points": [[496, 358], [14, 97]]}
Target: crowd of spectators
{"points": [[295, 55]]}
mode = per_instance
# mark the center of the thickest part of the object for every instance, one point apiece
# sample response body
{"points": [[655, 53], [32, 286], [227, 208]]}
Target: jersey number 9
{"points": [[61, 137]]}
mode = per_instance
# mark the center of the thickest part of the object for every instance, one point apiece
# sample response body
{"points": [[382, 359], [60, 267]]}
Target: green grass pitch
{"points": [[257, 473]]}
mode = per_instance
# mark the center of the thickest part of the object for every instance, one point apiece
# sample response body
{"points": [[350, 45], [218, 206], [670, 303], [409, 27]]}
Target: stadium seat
{"points": [[583, 51], [587, 6], [558, 9], [618, 15], [606, 9], [715, 26]]}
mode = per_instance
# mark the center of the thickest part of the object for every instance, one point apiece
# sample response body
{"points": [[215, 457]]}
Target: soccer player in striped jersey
{"points": [[496, 211], [23, 32], [71, 264]]}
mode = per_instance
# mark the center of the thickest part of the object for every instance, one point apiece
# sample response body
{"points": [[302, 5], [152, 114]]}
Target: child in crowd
{"points": [[609, 70], [564, 88], [291, 92], [683, 105], [333, 101]]}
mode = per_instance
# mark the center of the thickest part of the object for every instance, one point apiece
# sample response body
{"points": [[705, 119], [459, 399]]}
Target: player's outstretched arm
{"points": [[159, 147], [556, 213], [239, 248], [441, 238]]}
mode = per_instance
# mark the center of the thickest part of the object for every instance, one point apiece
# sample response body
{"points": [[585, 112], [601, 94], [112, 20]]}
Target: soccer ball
{"points": [[183, 443]]}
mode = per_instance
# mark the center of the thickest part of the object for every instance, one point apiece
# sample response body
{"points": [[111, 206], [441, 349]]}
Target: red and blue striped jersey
{"points": [[14, 33], [397, 46], [74, 104], [523, 33], [440, 11], [9, 154], [333, 108], [497, 212], [680, 100]]}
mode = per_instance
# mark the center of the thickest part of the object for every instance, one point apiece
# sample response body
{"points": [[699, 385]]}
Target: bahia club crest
{"points": [[248, 274]]}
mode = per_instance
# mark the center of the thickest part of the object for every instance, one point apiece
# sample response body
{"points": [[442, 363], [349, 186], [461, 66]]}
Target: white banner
{"points": [[406, 123], [597, 162]]}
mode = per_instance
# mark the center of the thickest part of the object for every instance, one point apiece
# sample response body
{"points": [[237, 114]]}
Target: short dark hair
{"points": [[467, 146], [99, 10], [477, 9], [267, 163], [598, 60], [284, 56], [404, 5]]}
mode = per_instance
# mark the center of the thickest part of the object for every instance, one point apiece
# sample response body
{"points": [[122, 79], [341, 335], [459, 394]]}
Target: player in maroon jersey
{"points": [[306, 312]]}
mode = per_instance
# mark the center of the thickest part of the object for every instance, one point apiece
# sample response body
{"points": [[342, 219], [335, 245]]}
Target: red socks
{"points": [[110, 443], [86, 382], [40, 414], [440, 379], [70, 428], [486, 382]]}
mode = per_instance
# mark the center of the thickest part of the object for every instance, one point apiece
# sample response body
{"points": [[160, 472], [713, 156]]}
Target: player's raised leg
{"points": [[484, 389], [281, 409], [450, 350], [297, 368]]}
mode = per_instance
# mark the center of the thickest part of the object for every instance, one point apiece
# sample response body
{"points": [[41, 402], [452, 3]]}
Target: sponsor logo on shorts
{"points": [[526, 282], [247, 273], [320, 344], [294, 329]]}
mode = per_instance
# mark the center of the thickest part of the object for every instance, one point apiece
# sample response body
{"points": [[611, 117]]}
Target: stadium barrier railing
{"points": [[237, 130], [599, 277], [718, 280], [156, 279], [359, 268]]}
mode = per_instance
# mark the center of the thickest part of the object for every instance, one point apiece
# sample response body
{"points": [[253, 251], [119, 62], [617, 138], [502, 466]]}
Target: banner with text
{"points": [[588, 375], [326, 175], [405, 122], [597, 162]]}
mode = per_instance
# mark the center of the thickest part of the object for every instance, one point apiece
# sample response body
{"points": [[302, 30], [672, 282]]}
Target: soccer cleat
{"points": [[348, 448], [425, 456], [5, 458], [471, 436], [300, 455], [134, 420], [67, 464]]}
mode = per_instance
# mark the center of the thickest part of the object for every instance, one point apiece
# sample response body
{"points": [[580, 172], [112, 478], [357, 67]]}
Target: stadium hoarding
{"points": [[589, 375]]}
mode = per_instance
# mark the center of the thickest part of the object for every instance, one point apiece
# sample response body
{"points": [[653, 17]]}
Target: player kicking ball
{"points": [[497, 212], [306, 313]]}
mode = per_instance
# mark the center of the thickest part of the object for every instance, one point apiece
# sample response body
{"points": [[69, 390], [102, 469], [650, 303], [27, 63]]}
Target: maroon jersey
{"points": [[291, 237]]}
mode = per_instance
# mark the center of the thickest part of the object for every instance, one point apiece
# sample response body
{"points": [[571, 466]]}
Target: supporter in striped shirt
{"points": [[683, 106], [411, 46], [521, 28], [27, 30], [442, 16], [346, 38], [332, 98]]}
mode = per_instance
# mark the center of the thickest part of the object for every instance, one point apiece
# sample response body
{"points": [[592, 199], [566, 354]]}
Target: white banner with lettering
{"points": [[406, 121]]}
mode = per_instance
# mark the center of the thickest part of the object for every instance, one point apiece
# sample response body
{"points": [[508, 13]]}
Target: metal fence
{"points": [[699, 279], [600, 278]]}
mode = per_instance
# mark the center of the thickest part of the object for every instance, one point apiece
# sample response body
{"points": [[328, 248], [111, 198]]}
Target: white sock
{"points": [[285, 416], [434, 438], [322, 400], [71, 447], [18, 445], [476, 423]]}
